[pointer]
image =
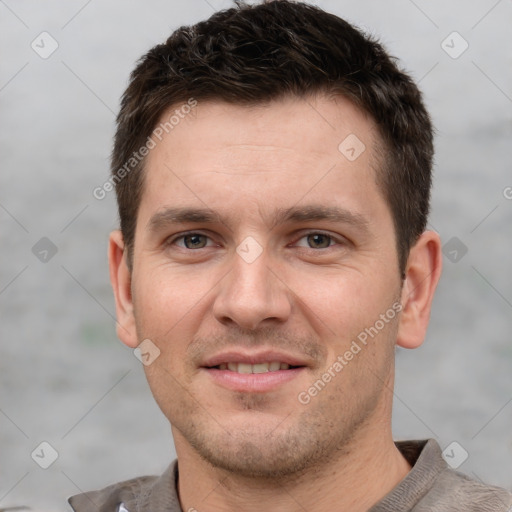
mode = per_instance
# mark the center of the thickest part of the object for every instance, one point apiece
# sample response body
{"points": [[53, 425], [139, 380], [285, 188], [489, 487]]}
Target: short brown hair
{"points": [[251, 54]]}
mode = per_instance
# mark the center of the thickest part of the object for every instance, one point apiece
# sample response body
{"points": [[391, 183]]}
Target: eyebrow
{"points": [[319, 212], [184, 215], [168, 216]]}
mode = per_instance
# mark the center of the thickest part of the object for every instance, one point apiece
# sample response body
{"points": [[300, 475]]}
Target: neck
{"points": [[357, 478]]}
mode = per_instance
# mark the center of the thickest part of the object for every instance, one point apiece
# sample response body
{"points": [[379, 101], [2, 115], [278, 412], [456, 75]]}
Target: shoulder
{"points": [[109, 498], [433, 486], [456, 491], [137, 494], [437, 487]]}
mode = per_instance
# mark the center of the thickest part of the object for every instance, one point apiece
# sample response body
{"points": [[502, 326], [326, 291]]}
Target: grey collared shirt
{"points": [[430, 486]]}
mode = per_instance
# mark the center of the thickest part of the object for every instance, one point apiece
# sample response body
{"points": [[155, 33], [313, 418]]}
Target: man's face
{"points": [[262, 247]]}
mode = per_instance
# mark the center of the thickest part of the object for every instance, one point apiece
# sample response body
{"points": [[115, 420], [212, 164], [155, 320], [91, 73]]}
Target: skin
{"points": [[309, 296]]}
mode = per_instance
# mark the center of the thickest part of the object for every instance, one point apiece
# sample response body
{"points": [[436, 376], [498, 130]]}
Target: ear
{"points": [[421, 277], [120, 278]]}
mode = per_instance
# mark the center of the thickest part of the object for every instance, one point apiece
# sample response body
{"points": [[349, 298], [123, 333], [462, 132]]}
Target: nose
{"points": [[252, 295]]}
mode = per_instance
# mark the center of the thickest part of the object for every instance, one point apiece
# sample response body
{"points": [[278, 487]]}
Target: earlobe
{"points": [[120, 278], [421, 277]]}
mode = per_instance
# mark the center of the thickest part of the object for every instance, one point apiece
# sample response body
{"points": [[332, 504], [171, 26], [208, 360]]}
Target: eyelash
{"points": [[333, 239]]}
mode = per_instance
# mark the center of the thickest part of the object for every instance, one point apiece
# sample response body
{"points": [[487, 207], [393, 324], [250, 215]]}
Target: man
{"points": [[273, 169]]}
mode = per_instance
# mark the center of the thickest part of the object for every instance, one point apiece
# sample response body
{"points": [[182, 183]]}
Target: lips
{"points": [[273, 366], [259, 372], [259, 362]]}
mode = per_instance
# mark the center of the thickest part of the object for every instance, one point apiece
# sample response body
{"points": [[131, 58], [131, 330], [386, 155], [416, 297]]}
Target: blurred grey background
{"points": [[67, 381]]}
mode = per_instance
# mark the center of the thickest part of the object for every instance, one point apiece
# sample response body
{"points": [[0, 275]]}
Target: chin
{"points": [[252, 460], [263, 450]]}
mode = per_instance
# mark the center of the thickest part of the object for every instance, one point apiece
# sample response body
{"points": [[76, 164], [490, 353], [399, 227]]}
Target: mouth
{"points": [[247, 368], [253, 373]]}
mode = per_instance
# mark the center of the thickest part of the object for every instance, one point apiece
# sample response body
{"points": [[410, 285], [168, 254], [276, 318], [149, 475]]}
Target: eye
{"points": [[192, 241], [316, 241]]}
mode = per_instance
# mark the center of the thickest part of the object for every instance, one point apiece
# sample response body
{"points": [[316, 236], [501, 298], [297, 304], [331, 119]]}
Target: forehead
{"points": [[275, 154]]}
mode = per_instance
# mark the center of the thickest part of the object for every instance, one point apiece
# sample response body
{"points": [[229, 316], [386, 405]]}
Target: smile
{"points": [[273, 366]]}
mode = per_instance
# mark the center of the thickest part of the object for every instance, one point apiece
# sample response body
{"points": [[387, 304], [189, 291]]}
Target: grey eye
{"points": [[195, 241], [319, 241]]}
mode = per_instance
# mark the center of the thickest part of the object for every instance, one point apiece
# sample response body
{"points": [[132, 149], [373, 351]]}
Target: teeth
{"points": [[244, 368], [273, 366], [260, 368]]}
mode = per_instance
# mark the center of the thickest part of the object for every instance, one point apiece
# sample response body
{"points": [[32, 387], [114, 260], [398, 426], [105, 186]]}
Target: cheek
{"points": [[341, 301], [346, 307], [166, 302]]}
